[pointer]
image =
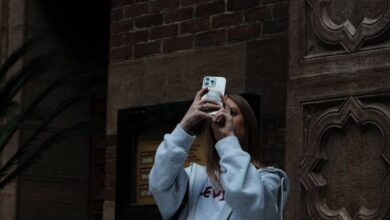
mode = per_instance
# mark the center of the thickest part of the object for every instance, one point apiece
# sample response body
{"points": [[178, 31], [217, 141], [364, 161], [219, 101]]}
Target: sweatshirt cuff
{"points": [[227, 145], [181, 138]]}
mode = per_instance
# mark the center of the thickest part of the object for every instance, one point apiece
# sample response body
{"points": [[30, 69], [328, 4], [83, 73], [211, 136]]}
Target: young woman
{"points": [[234, 184]]}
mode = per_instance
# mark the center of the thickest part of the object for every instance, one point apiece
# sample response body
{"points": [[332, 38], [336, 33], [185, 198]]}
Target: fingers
{"points": [[207, 106], [226, 106], [227, 109], [224, 100], [205, 115], [200, 93], [219, 113], [223, 116], [220, 116]]}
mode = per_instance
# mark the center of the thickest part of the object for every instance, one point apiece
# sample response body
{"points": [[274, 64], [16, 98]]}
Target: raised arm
{"points": [[168, 180], [251, 193]]}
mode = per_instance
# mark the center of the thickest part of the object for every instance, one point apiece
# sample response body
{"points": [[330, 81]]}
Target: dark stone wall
{"points": [[66, 181]]}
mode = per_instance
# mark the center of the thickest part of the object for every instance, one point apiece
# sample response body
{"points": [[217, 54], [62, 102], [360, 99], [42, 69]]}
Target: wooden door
{"points": [[338, 110]]}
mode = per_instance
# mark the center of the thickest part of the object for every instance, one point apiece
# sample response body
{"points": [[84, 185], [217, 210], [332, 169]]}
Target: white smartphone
{"points": [[216, 88]]}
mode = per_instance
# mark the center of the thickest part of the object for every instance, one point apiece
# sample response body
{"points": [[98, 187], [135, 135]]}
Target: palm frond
{"points": [[8, 130], [16, 56], [79, 129], [92, 92], [13, 85], [13, 124]]}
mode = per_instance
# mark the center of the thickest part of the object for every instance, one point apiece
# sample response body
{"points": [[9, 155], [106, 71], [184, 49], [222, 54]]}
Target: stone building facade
{"points": [[57, 184], [160, 51], [329, 133], [318, 69]]}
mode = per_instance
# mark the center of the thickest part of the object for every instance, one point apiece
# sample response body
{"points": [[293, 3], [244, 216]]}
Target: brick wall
{"points": [[144, 28]]}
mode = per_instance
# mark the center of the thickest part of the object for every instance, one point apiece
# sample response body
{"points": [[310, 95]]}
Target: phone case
{"points": [[216, 86]]}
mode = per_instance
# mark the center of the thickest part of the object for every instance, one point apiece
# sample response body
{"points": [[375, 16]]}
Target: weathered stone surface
{"points": [[109, 210], [55, 198], [267, 72], [66, 159], [52, 100], [172, 77], [337, 111], [12, 36], [8, 201]]}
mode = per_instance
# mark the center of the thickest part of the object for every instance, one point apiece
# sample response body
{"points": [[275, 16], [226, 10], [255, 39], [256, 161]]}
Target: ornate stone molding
{"points": [[315, 158], [351, 35]]}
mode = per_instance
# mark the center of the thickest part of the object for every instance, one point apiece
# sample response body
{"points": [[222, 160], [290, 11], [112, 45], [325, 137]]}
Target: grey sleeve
{"points": [[168, 180], [250, 193]]}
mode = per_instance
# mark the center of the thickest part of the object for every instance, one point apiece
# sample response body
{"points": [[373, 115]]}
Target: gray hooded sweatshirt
{"points": [[250, 193]]}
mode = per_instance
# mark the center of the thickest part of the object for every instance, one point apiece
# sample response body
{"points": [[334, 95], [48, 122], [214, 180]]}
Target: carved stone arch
{"points": [[349, 35], [351, 112]]}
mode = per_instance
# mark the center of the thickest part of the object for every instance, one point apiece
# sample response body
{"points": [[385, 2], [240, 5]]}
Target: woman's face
{"points": [[238, 119]]}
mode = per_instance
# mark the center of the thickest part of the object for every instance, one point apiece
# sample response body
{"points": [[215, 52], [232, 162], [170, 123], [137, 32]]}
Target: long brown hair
{"points": [[249, 143]]}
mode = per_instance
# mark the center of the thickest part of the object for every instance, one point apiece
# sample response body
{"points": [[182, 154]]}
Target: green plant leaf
{"points": [[16, 56], [42, 127], [78, 74], [80, 129], [13, 85], [28, 151]]}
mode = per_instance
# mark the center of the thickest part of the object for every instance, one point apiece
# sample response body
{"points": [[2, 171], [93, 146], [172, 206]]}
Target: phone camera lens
{"points": [[212, 81], [207, 79], [207, 84]]}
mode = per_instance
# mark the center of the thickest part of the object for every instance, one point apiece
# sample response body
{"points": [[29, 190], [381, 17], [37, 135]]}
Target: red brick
{"points": [[117, 14], [195, 25], [110, 141], [275, 26], [241, 4], [115, 40], [136, 37], [118, 3], [178, 15], [258, 14], [280, 10], [121, 26], [272, 1], [159, 5], [137, 9], [110, 170], [210, 8], [110, 166], [177, 43], [120, 53], [192, 2], [226, 20], [109, 179], [148, 20], [110, 153], [116, 27], [244, 32], [210, 37], [146, 49], [109, 193], [164, 31]]}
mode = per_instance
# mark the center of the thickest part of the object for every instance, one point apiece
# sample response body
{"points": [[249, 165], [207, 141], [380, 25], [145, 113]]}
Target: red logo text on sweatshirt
{"points": [[209, 192]]}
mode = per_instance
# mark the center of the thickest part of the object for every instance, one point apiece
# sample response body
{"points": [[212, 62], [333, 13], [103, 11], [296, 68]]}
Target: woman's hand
{"points": [[222, 122], [196, 113]]}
